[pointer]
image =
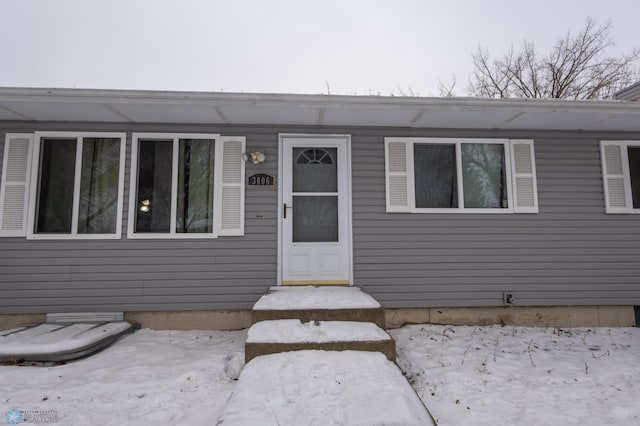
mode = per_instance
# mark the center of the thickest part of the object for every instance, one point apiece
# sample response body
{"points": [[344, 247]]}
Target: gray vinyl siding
{"points": [[147, 275], [571, 253]]}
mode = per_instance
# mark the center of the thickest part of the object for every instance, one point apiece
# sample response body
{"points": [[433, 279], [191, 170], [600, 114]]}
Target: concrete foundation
{"points": [[546, 316], [191, 320], [543, 316], [10, 321]]}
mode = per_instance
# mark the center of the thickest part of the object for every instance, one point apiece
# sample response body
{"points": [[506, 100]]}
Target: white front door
{"points": [[315, 210]]}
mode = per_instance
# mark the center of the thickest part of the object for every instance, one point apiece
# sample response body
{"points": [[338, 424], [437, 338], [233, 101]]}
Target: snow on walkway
{"points": [[323, 388], [310, 297]]}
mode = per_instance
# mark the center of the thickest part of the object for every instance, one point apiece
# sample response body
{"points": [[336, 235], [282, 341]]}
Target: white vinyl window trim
{"points": [[616, 176], [34, 181], [228, 186], [519, 168]]}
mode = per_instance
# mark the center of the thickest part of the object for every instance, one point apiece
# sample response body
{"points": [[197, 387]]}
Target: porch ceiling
{"points": [[92, 105]]}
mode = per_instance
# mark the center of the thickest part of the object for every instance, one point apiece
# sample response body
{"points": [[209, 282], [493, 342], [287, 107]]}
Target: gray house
{"points": [[183, 205]]}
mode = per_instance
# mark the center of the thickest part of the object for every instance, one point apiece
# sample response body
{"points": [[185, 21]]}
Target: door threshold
{"points": [[315, 282]]}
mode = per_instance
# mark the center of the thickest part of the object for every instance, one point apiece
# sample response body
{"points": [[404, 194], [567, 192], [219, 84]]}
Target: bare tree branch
{"points": [[577, 67], [446, 88]]}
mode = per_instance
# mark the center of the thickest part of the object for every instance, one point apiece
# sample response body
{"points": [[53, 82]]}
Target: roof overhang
{"points": [[134, 106]]}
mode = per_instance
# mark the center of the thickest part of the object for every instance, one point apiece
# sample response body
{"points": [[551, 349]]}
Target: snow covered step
{"points": [[274, 336], [323, 388], [323, 303]]}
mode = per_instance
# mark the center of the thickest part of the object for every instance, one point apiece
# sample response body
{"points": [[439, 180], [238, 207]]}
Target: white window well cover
{"points": [[56, 338]]}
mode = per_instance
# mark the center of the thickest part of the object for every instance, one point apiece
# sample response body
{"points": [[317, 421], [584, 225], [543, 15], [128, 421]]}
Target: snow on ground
{"points": [[146, 378], [465, 375], [526, 376], [294, 331], [319, 388], [310, 297]]}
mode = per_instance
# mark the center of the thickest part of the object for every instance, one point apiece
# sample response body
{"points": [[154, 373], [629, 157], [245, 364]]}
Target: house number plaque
{"points": [[261, 180]]}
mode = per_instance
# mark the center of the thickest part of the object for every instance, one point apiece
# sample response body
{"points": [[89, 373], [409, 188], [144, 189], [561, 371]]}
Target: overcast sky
{"points": [[284, 46]]}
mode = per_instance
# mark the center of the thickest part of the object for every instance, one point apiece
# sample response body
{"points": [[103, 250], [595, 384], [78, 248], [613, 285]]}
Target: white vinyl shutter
{"points": [[230, 196], [397, 175], [14, 192], [617, 191], [523, 176]]}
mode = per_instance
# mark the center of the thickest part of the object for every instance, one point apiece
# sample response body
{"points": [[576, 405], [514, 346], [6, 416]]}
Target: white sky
{"points": [[285, 46]]}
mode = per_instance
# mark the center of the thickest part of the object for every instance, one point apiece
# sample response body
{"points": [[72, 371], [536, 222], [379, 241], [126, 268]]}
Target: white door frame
{"points": [[311, 136]]}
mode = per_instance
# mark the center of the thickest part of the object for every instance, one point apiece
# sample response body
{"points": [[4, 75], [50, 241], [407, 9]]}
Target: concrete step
{"points": [[324, 303], [285, 335]]}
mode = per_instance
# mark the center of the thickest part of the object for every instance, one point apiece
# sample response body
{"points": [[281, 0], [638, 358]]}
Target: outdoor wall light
{"points": [[145, 206], [255, 157]]}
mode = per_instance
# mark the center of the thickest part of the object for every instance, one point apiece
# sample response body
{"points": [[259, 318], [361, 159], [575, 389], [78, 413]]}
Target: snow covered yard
{"points": [[497, 375], [465, 375], [146, 378]]}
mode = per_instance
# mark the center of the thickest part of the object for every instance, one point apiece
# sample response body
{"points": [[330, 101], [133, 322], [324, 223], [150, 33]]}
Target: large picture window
{"points": [[438, 175], [178, 185], [77, 185]]}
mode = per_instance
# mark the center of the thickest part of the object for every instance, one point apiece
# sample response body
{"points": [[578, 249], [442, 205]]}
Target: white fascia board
{"points": [[629, 111], [176, 97]]}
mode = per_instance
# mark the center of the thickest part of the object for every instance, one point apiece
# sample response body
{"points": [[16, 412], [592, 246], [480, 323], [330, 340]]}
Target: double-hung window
{"points": [[621, 176], [186, 186], [452, 175], [76, 185]]}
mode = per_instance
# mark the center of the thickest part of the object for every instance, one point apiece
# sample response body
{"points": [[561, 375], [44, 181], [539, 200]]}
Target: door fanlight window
{"points": [[314, 156]]}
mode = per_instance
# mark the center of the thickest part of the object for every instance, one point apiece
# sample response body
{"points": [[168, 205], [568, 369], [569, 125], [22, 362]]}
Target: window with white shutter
{"points": [[186, 186], [14, 192], [621, 175], [231, 187], [460, 175], [523, 176], [397, 182]]}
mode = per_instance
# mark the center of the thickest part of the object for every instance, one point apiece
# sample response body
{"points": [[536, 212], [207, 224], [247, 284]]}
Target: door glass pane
{"points": [[435, 175], [195, 186], [634, 171], [55, 186], [484, 176], [315, 219], [315, 170], [99, 180], [153, 200]]}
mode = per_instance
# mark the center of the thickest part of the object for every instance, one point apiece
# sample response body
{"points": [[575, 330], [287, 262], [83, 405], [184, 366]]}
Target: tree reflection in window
{"points": [[484, 176]]}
